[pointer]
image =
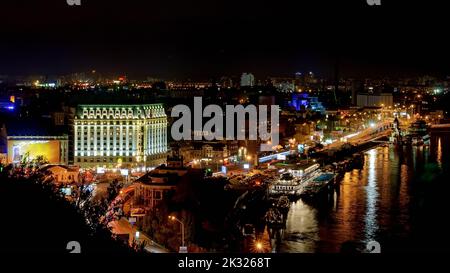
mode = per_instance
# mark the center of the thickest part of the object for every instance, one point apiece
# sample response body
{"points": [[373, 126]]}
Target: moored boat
{"points": [[319, 184], [291, 182]]}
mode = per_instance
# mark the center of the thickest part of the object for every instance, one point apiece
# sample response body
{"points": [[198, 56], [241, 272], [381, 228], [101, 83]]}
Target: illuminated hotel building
{"points": [[120, 136]]}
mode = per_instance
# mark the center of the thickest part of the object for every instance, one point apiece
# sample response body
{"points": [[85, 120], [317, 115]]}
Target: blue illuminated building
{"points": [[7, 106], [302, 101]]}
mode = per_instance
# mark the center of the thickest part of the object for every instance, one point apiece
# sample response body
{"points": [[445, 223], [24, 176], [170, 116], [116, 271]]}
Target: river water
{"points": [[400, 199]]}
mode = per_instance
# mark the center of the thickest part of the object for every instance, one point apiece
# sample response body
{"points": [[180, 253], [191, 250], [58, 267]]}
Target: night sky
{"points": [[210, 38]]}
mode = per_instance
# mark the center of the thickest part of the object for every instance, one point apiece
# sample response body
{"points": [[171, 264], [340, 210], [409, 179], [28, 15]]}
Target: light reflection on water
{"points": [[302, 228], [439, 152], [372, 196], [375, 203]]}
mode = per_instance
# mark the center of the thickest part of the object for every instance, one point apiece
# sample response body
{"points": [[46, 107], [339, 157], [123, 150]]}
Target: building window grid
{"points": [[124, 142]]}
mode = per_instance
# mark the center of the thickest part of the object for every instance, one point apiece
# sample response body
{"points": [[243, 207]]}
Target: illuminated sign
{"points": [[28, 150]]}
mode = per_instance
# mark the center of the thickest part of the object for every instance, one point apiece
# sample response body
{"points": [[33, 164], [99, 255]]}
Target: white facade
{"points": [[247, 79], [120, 136]]}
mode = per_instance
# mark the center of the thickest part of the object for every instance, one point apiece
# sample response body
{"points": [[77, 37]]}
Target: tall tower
{"points": [[336, 79]]}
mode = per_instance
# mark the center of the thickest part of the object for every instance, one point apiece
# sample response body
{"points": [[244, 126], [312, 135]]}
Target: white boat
{"points": [[291, 183], [287, 184], [418, 133]]}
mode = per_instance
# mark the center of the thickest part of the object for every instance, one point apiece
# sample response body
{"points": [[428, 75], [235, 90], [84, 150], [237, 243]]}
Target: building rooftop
{"points": [[68, 168], [169, 179], [217, 146]]}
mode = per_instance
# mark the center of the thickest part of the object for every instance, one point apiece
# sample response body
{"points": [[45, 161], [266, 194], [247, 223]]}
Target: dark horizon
{"points": [[204, 40]]}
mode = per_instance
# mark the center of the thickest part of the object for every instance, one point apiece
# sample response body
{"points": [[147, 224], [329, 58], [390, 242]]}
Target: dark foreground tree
{"points": [[113, 190], [37, 218]]}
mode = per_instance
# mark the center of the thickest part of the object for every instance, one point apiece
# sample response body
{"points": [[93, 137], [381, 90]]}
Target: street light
{"points": [[259, 246], [173, 218]]}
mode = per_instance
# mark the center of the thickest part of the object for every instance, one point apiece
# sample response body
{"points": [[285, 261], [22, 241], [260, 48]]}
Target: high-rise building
{"points": [[120, 136], [375, 100], [357, 87], [247, 79], [284, 85]]}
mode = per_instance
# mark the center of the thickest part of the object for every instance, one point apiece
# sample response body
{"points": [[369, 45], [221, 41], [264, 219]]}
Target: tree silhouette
{"points": [[113, 190], [45, 221]]}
